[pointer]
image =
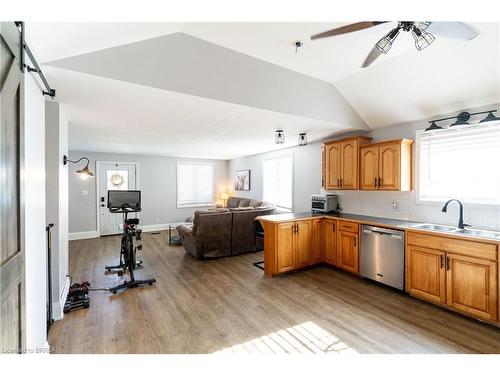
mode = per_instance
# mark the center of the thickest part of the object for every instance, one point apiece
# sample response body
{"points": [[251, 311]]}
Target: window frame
{"points": [[438, 202], [280, 208], [180, 205]]}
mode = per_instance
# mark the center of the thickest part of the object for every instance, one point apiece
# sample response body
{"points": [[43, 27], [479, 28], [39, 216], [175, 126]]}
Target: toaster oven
{"points": [[324, 202]]}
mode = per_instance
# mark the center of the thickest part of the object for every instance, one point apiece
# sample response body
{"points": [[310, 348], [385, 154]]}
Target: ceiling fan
{"points": [[422, 32]]}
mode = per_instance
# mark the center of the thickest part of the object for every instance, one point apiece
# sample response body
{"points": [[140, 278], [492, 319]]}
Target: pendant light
{"points": [[279, 138], [302, 139]]}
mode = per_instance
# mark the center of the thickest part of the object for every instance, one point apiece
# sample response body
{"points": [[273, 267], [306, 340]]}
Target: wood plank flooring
{"points": [[227, 305]]}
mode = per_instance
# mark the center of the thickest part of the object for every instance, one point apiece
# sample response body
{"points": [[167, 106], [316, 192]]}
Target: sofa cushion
{"points": [[233, 202], [255, 203], [244, 202], [242, 209]]}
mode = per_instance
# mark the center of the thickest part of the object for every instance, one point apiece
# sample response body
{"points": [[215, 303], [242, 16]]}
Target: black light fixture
{"points": [[462, 119], [422, 38], [433, 126], [490, 117], [302, 139], [385, 44], [85, 171], [279, 138]]}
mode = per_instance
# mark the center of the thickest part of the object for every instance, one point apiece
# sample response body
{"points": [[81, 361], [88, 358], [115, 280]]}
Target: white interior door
{"points": [[113, 176]]}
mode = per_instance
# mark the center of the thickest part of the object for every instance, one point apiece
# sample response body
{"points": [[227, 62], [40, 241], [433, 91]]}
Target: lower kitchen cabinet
{"points": [[330, 241], [426, 274], [302, 246], [472, 285], [285, 257], [348, 251], [317, 243], [294, 245]]}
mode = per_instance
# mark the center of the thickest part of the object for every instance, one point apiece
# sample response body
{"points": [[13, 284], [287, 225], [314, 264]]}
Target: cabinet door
{"points": [[317, 243], [426, 273], [332, 165], [330, 241], [302, 243], [348, 251], [472, 286], [369, 168], [285, 256], [349, 167], [390, 166]]}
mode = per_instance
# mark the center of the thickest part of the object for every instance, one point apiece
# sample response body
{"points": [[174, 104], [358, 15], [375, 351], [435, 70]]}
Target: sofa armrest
{"points": [[189, 241]]}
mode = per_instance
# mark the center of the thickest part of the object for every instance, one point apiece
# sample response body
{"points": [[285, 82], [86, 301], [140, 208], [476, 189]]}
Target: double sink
{"points": [[466, 231]]}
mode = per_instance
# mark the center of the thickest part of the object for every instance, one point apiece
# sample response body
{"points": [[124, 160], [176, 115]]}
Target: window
{"points": [[195, 184], [278, 182], [460, 163]]}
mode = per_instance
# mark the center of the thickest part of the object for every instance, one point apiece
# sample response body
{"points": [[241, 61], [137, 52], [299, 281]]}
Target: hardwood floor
{"points": [[227, 305]]}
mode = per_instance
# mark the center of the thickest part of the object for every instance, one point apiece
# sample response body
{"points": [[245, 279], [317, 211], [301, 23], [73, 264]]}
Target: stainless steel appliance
{"points": [[382, 255], [324, 202]]}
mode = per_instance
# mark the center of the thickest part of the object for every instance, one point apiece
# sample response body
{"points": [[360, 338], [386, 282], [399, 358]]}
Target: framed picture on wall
{"points": [[242, 180]]}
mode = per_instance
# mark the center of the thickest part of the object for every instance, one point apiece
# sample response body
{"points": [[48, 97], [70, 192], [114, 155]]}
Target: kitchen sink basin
{"points": [[439, 228], [479, 233]]}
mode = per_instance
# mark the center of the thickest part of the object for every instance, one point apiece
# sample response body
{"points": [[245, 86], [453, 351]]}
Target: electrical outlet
{"points": [[395, 204], [85, 192]]}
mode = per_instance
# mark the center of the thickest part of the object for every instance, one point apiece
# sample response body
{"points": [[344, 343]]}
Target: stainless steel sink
{"points": [[439, 228], [479, 233]]}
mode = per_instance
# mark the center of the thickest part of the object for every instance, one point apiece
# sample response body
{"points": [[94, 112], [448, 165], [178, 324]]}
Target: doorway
{"points": [[112, 176]]}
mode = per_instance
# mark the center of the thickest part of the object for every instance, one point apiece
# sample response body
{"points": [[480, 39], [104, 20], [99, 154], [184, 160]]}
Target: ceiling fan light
{"points": [[279, 138], [423, 39], [384, 45]]}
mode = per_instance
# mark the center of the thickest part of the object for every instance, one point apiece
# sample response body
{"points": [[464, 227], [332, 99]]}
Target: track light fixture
{"points": [[302, 139], [279, 138], [463, 119], [85, 172]]}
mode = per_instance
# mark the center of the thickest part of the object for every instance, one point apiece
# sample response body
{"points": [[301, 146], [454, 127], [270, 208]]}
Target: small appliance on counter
{"points": [[324, 203]]}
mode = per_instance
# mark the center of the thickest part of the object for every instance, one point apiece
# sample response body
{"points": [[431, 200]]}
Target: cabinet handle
{"points": [[442, 260], [338, 182], [294, 228], [333, 226], [376, 182], [354, 241], [379, 182], [448, 266], [341, 182]]}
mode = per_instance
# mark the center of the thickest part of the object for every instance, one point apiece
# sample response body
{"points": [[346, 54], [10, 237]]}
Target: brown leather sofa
{"points": [[224, 231]]}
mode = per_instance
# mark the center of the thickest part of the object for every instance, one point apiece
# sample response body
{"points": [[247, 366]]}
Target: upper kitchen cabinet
{"points": [[341, 163], [386, 165]]}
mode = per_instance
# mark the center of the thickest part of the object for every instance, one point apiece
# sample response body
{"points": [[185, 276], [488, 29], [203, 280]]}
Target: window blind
{"points": [[195, 182], [461, 163], [278, 182]]}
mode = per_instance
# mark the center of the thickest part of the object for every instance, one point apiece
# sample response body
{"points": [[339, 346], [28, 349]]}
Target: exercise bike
{"points": [[125, 202]]}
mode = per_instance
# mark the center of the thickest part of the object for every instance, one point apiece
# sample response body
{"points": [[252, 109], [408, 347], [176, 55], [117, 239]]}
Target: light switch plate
{"points": [[85, 192]]}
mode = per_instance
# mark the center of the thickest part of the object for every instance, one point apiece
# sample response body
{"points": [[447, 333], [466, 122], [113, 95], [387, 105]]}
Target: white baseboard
{"points": [[154, 227], [58, 306], [82, 235]]}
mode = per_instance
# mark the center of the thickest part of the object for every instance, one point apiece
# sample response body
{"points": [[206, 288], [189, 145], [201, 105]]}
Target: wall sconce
{"points": [[302, 139], [463, 119], [279, 138], [85, 172]]}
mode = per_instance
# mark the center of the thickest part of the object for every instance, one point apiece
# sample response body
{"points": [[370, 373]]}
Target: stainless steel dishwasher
{"points": [[383, 255]]}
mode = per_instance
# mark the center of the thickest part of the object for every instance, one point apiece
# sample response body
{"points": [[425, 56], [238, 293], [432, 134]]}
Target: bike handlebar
{"points": [[123, 208]]}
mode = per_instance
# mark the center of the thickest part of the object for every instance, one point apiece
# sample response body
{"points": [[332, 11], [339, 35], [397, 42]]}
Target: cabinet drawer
{"points": [[453, 245], [347, 226]]}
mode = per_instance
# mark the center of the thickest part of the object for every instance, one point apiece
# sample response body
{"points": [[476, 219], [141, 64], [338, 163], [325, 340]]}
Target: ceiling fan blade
{"points": [[347, 29], [453, 30], [372, 56]]}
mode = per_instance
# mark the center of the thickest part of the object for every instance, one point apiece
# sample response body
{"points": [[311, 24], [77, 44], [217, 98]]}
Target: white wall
{"points": [[307, 181], [56, 144], [156, 179], [34, 213]]}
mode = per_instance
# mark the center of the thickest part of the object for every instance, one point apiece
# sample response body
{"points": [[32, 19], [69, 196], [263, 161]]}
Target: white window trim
{"points": [[279, 208], [211, 204], [436, 202]]}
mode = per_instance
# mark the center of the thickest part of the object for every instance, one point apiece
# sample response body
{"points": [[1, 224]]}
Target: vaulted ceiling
{"points": [[220, 90]]}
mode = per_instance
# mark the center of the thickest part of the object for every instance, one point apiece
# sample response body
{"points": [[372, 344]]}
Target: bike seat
{"points": [[132, 221]]}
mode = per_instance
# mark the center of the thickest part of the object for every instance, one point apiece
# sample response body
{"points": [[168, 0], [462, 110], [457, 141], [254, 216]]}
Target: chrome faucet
{"points": [[461, 224]]}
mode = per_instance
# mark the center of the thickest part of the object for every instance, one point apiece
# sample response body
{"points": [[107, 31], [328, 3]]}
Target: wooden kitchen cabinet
{"points": [[329, 245], [285, 254], [386, 165], [348, 250], [302, 243], [471, 285], [426, 274], [294, 245], [341, 163], [317, 243]]}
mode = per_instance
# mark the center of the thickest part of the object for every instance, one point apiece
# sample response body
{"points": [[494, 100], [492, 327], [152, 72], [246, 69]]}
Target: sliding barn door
{"points": [[12, 295]]}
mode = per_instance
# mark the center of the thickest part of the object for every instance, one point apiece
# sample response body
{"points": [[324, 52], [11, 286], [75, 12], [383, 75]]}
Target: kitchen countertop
{"points": [[371, 220]]}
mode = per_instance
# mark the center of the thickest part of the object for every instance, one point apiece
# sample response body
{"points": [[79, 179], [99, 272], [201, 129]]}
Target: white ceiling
{"points": [[404, 86]]}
